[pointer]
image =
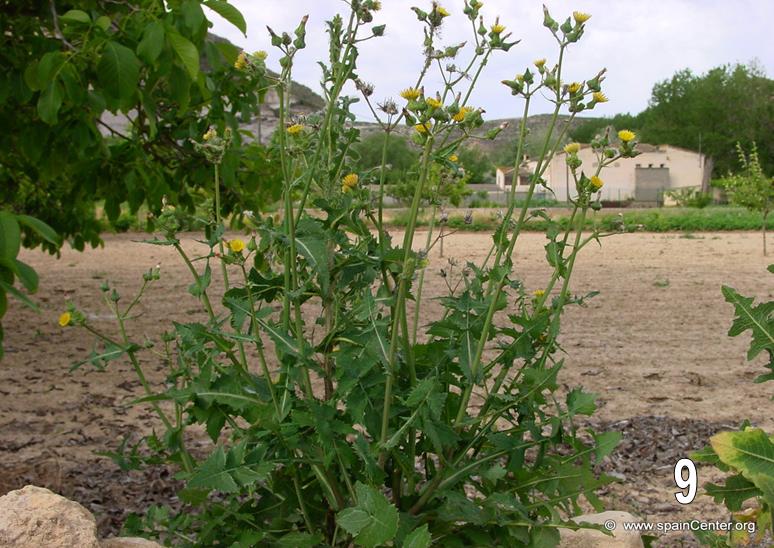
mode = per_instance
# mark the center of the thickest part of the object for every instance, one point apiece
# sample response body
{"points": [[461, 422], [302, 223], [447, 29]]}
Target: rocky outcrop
{"points": [[34, 517]]}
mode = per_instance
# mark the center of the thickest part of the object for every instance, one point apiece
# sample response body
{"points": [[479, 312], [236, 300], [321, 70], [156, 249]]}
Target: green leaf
{"points": [[27, 275], [118, 70], [75, 17], [750, 451], [373, 521], [212, 474], [49, 103], [229, 13], [186, 52], [7, 288], [581, 403], [418, 538], [152, 42], [40, 228], [758, 319], [10, 236], [605, 443], [735, 491]]}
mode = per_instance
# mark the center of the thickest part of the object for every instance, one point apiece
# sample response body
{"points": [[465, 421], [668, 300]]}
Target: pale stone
{"points": [[590, 538], [129, 542], [34, 517]]}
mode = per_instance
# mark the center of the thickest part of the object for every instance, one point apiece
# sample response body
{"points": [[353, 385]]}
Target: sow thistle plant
{"points": [[337, 414]]}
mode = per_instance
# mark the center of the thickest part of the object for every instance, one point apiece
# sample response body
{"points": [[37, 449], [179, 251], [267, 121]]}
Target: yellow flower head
{"points": [[236, 245], [596, 182], [454, 158], [574, 87], [538, 293], [376, 6], [260, 54], [599, 97], [580, 17], [410, 94], [572, 148], [350, 180], [476, 5], [498, 28], [64, 319], [519, 77], [210, 134], [434, 103], [440, 10], [539, 63], [460, 116], [241, 61], [625, 135], [421, 128], [295, 129]]}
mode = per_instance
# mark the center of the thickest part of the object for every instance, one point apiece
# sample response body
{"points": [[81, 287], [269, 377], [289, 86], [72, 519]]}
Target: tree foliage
{"points": [[709, 112], [401, 158], [99, 101]]}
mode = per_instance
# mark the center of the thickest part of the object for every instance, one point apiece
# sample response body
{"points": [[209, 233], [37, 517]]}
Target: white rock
{"points": [[34, 517], [129, 542], [589, 538]]}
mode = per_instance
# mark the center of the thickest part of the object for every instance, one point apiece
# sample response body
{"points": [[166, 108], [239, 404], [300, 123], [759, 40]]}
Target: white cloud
{"points": [[640, 43]]}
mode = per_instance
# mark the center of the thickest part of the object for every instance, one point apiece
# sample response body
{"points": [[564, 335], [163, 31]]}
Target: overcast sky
{"points": [[640, 43]]}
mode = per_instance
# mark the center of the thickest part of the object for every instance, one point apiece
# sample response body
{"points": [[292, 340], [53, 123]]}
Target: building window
{"points": [[663, 165], [650, 165]]}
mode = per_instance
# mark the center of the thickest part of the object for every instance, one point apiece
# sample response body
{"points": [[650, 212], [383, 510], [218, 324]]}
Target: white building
{"points": [[643, 179]]}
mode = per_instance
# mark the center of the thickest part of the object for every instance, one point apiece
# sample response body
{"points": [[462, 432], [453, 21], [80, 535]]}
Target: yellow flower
{"points": [[236, 245], [260, 54], [538, 293], [376, 6], [210, 134], [498, 28], [350, 180], [460, 116], [574, 87], [64, 319], [596, 182], [241, 61], [572, 148], [520, 77], [410, 94], [440, 10], [295, 129], [580, 17], [345, 188], [625, 135], [599, 97], [421, 128], [434, 103], [453, 158], [539, 63]]}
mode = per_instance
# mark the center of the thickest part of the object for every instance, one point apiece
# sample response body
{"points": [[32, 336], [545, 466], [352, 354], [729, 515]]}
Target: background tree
{"points": [[751, 188], [711, 112], [401, 156], [477, 164], [99, 101]]}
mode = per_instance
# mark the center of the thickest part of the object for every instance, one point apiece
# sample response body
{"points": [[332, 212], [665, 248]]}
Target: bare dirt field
{"points": [[653, 345]]}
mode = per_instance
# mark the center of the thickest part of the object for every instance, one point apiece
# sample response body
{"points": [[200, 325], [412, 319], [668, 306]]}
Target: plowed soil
{"points": [[653, 344]]}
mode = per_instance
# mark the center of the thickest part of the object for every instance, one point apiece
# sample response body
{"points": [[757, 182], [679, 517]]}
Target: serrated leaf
{"points": [[733, 493], [605, 443], [118, 70], [581, 403], [212, 474], [185, 51], [229, 13], [758, 319], [373, 521], [418, 538]]}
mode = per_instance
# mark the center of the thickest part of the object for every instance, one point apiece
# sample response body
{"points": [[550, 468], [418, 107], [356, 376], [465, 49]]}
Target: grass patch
{"points": [[686, 220]]}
